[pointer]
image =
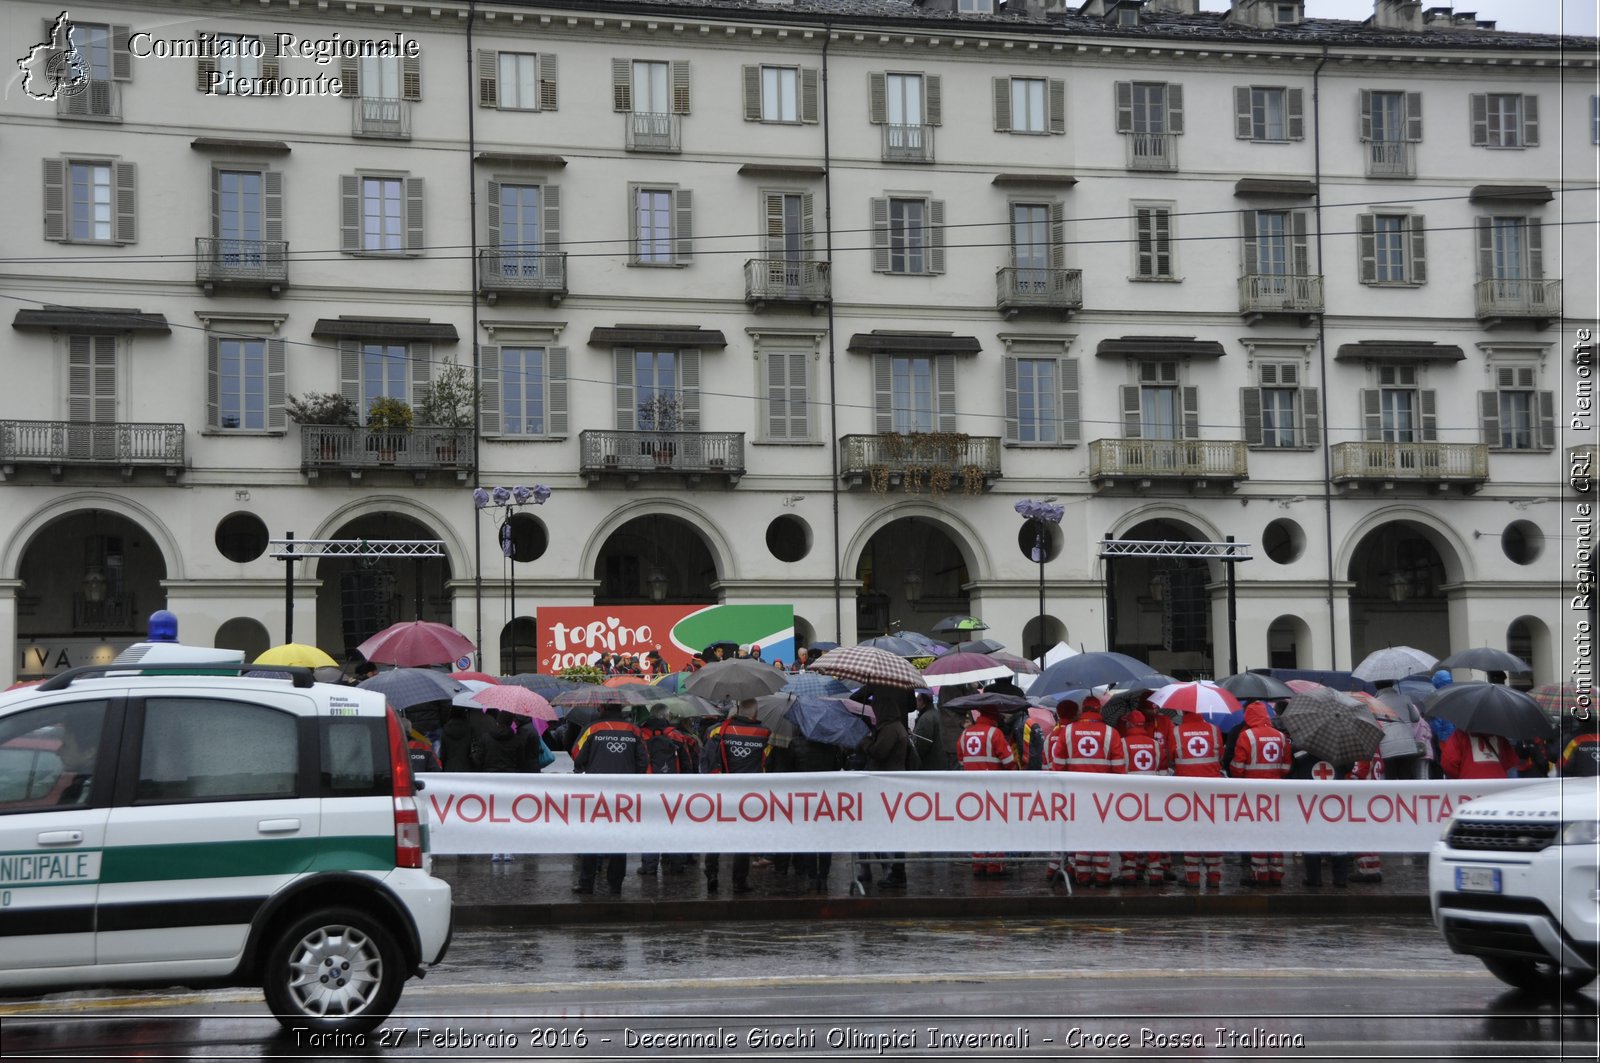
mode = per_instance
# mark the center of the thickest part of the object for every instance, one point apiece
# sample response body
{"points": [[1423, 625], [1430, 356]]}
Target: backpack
{"points": [[1027, 742]]}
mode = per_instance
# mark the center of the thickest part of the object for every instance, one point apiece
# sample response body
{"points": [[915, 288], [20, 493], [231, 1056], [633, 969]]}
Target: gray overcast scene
{"points": [[1571, 17]]}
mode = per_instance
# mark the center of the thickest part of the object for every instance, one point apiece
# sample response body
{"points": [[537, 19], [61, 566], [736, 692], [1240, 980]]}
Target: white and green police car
{"points": [[161, 829]]}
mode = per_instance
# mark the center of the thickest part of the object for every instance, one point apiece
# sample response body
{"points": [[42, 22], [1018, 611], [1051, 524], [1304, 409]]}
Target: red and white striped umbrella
{"points": [[1203, 698]]}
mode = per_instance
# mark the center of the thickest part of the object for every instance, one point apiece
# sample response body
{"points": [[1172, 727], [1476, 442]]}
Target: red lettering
{"points": [[461, 808], [1102, 804], [891, 804], [671, 805], [442, 813], [494, 817], [1307, 806], [697, 803]]}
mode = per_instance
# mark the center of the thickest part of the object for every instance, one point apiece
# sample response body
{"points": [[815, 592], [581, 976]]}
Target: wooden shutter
{"points": [[752, 94], [772, 223], [880, 236], [549, 70], [882, 393], [1013, 410], [271, 61], [936, 236], [1295, 107], [92, 379], [550, 221], [1056, 105], [1175, 108], [1248, 218], [635, 251], [204, 67], [1485, 227], [556, 371], [1310, 417], [411, 78], [1131, 411], [944, 382], [1250, 413], [622, 358], [1058, 235], [1417, 248], [810, 93], [808, 222], [1371, 414], [1002, 105], [1144, 242], [934, 106], [680, 86], [349, 78], [1429, 402], [125, 195], [877, 98], [1366, 115], [489, 389], [1414, 117], [689, 390], [1299, 246], [349, 212], [682, 225], [799, 395], [213, 381], [1191, 412], [350, 374], [1124, 106], [777, 411], [1367, 247], [1489, 417], [1480, 119], [277, 385], [419, 360], [272, 204], [1071, 406], [491, 212], [1530, 121], [415, 243], [55, 199], [621, 85], [1535, 236], [1547, 419], [1243, 120], [488, 78], [121, 60]]}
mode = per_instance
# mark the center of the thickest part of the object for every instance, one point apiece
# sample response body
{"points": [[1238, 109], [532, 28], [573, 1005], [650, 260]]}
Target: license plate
{"points": [[1478, 879]]}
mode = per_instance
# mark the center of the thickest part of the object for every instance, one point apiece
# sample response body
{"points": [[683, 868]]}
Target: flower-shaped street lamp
{"points": [[508, 500], [1041, 514]]}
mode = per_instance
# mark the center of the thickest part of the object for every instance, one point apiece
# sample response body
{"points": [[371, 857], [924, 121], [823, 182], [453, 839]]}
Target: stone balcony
{"points": [[1152, 151], [654, 131], [386, 119], [907, 143], [1266, 294], [506, 271], [1019, 288], [786, 282], [1438, 466], [1391, 158], [1140, 463], [1517, 299]]}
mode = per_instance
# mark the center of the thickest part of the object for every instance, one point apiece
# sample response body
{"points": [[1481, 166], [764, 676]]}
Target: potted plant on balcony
{"points": [[451, 402], [661, 413], [389, 419], [323, 408]]}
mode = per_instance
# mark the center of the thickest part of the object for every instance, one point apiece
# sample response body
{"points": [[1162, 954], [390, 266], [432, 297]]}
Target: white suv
{"points": [[1514, 882], [162, 829]]}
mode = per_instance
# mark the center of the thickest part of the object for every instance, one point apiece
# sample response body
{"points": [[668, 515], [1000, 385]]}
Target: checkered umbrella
{"points": [[1558, 699], [959, 667], [518, 701], [1018, 665], [1331, 726], [864, 664], [812, 685], [405, 687]]}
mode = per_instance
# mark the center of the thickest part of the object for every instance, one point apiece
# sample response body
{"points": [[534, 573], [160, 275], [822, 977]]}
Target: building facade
{"points": [[793, 302]]}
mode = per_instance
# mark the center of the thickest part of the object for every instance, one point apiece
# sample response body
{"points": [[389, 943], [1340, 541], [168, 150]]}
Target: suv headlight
{"points": [[1580, 832]]}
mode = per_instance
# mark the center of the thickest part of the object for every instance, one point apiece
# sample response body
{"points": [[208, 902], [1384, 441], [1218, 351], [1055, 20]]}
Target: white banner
{"points": [[933, 811]]}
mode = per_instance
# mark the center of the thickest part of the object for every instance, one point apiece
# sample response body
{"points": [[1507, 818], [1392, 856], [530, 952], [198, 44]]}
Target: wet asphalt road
{"points": [[1056, 989]]}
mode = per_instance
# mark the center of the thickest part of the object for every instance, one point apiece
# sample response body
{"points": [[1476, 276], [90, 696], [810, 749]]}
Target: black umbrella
{"points": [[898, 646], [1090, 670], [986, 700], [1489, 708], [1486, 659], [1252, 686], [737, 679], [982, 646]]}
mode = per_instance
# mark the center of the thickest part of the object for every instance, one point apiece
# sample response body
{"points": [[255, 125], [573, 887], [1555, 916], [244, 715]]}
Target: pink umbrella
{"points": [[1203, 699], [519, 701], [416, 645], [1019, 665]]}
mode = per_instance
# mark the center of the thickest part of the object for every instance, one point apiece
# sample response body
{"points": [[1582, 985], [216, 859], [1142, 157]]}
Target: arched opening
{"points": [[1528, 637], [1161, 606], [1288, 643], [912, 573], [1398, 595], [244, 633], [360, 597], [805, 633], [1033, 645], [655, 559], [519, 646]]}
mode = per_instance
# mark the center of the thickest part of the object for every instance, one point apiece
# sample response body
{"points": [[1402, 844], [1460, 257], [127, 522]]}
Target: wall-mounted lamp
{"points": [[658, 585], [93, 586], [1399, 587], [913, 588]]}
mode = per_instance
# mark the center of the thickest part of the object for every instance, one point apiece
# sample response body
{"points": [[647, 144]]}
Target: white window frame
{"points": [[554, 380], [247, 328], [975, 7], [906, 411], [1394, 380], [1044, 420], [509, 90], [1151, 377], [94, 206], [384, 386], [89, 50], [543, 401], [1504, 112], [379, 242], [913, 242], [1030, 106], [1526, 361], [1261, 117], [780, 94]]}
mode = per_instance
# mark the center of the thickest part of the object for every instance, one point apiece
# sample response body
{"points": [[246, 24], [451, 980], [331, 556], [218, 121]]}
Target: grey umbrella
{"points": [[1489, 708], [1486, 659], [1394, 662], [1253, 686], [405, 687], [737, 679]]}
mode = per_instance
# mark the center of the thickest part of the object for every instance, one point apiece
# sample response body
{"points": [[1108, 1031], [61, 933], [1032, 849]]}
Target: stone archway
{"points": [[1398, 571], [1288, 642], [913, 571], [246, 634], [359, 597], [1161, 604], [90, 575], [656, 558]]}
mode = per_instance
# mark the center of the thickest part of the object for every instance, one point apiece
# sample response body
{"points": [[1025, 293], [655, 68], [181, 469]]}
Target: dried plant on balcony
{"points": [[973, 479], [927, 448], [912, 477], [880, 478], [940, 478]]}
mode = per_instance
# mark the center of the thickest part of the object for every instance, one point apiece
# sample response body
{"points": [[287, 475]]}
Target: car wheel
{"points": [[1537, 976], [333, 971]]}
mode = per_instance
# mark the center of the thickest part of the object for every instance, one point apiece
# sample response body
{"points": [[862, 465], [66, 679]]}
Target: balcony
{"points": [[1518, 299], [385, 118], [59, 445], [1385, 465], [907, 143], [356, 450], [939, 461], [1580, 467], [786, 281], [653, 131], [250, 264], [1391, 158], [1261, 294], [1139, 463], [506, 271], [1152, 151], [95, 101], [1019, 288], [101, 611], [631, 454]]}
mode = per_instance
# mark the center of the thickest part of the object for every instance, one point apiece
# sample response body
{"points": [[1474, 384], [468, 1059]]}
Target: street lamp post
{"points": [[1042, 514], [508, 500]]}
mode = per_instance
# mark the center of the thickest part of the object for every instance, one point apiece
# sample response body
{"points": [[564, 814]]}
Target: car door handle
{"points": [[278, 826], [61, 837]]}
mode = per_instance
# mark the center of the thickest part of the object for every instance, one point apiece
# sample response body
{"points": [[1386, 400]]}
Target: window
{"points": [[905, 113], [1510, 249], [786, 406], [662, 221], [390, 78], [525, 228], [1516, 415], [1392, 249], [783, 94], [1041, 400], [89, 205], [1391, 117], [652, 93], [908, 235], [244, 381], [1268, 114], [381, 214], [524, 390], [385, 373], [92, 378], [1399, 410], [1286, 14], [48, 756], [237, 58], [1280, 413], [657, 390], [908, 105], [911, 393], [1030, 105], [89, 201], [1146, 107], [211, 749], [1275, 249], [975, 7], [1153, 246], [1594, 119], [517, 81], [247, 220], [1505, 120], [1159, 406]]}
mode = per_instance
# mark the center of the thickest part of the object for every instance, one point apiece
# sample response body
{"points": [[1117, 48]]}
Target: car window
{"points": [[355, 757], [205, 749], [48, 756]]}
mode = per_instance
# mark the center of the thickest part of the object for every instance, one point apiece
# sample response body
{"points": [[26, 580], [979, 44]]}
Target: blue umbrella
{"points": [[896, 645], [933, 646], [815, 685], [827, 721], [1089, 670], [405, 687]]}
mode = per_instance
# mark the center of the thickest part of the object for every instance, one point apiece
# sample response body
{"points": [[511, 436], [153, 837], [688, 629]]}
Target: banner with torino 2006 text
{"points": [[577, 635]]}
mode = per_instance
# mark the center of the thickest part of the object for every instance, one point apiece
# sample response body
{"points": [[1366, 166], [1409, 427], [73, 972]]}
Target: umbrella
{"points": [[297, 655], [687, 707], [548, 685], [772, 710], [1018, 665], [828, 721], [959, 667], [813, 685], [982, 646], [589, 696], [1090, 670], [405, 687], [481, 677], [738, 679], [864, 664], [960, 623], [1252, 686], [985, 700], [896, 645], [420, 642], [673, 681], [518, 701], [1307, 686], [1558, 699], [1053, 701], [1489, 708], [1393, 662], [933, 646], [625, 681], [822, 647], [1201, 698], [1486, 659], [1331, 726], [1394, 715]]}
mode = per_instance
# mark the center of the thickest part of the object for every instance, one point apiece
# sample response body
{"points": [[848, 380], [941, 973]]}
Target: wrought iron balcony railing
{"points": [[1518, 297], [1391, 158], [1152, 151], [1280, 293], [381, 117], [1200, 461], [1435, 463], [125, 445], [907, 143], [105, 612], [504, 270], [970, 463], [100, 100], [355, 449], [694, 454], [785, 280], [241, 263], [654, 131], [1033, 288]]}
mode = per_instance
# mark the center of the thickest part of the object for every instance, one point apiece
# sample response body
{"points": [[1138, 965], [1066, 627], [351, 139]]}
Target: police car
{"points": [[161, 827]]}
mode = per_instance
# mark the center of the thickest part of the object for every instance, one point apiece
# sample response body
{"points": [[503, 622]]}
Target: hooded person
{"points": [[1144, 758], [983, 747], [1089, 744], [1442, 679], [1261, 751]]}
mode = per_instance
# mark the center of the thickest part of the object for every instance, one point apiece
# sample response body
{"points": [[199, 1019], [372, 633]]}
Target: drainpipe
{"points": [[833, 383], [1322, 357], [472, 286]]}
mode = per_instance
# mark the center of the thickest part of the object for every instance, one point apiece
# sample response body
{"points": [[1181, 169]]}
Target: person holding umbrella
{"points": [[1197, 754], [1473, 755]]}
